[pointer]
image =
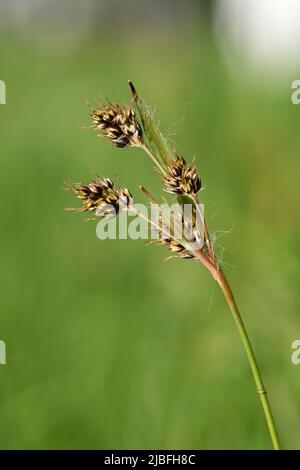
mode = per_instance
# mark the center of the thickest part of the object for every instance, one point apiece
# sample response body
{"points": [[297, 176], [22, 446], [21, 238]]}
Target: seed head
{"points": [[190, 181], [100, 196], [182, 179], [118, 124]]}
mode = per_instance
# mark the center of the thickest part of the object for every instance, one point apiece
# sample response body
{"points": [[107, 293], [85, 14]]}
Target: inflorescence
{"points": [[122, 128]]}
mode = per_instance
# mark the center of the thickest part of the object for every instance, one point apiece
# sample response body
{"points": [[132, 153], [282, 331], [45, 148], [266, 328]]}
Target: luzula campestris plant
{"points": [[134, 126]]}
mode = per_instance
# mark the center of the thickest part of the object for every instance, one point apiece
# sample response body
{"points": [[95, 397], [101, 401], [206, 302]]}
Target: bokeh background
{"points": [[108, 346]]}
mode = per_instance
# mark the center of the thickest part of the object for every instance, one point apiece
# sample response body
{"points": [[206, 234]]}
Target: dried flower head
{"points": [[176, 248], [118, 124], [182, 179], [190, 181], [100, 196]]}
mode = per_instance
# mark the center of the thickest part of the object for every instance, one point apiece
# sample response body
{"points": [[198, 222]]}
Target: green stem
{"points": [[222, 281]]}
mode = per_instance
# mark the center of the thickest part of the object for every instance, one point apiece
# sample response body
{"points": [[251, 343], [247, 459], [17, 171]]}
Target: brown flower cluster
{"points": [[182, 179], [118, 124], [100, 196], [176, 248]]}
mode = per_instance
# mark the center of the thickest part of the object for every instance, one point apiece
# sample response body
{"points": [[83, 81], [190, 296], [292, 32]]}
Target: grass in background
{"points": [[106, 347]]}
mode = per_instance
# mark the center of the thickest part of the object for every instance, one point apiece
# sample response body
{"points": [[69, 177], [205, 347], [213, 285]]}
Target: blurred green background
{"points": [[108, 346]]}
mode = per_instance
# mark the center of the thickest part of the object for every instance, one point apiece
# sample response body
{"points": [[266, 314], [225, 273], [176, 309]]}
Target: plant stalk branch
{"points": [[155, 161]]}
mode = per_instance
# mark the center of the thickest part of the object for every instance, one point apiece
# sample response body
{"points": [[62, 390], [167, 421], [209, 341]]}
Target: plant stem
{"points": [[155, 161], [151, 129], [205, 231], [223, 283]]}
